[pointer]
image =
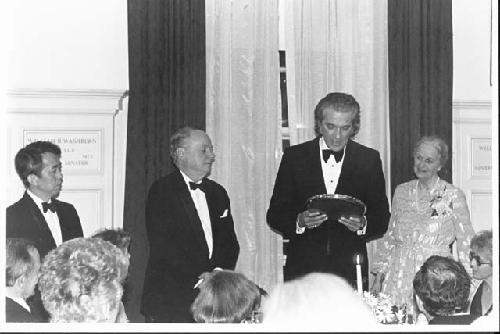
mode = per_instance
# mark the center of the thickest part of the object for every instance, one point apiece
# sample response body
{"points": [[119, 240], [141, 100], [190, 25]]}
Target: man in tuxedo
{"points": [[21, 275], [38, 215], [190, 229], [332, 163]]}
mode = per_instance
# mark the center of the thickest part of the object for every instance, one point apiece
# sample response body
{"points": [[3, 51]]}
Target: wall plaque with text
{"points": [[81, 149], [481, 157]]}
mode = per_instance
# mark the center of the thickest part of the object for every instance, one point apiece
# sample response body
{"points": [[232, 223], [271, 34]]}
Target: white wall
{"points": [[471, 50], [474, 122], [67, 44]]}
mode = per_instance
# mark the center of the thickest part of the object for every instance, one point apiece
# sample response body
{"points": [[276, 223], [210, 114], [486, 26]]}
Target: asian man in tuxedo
{"points": [[332, 163], [38, 215], [190, 229]]}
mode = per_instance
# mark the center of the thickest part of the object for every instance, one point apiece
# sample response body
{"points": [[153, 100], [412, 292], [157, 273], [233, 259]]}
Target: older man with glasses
{"points": [[482, 269]]}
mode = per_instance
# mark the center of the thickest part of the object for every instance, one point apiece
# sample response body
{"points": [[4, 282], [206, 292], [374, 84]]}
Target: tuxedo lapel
{"points": [[187, 203], [212, 204], [14, 312], [209, 195], [39, 219], [65, 233], [315, 170], [349, 167]]}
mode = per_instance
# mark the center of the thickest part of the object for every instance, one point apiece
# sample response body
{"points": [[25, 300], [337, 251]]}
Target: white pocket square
{"points": [[224, 214]]}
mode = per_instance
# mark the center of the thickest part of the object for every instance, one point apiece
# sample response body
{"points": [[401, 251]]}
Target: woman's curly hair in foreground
{"points": [[80, 281]]}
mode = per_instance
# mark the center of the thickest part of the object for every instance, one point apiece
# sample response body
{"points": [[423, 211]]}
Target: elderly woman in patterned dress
{"points": [[428, 216]]}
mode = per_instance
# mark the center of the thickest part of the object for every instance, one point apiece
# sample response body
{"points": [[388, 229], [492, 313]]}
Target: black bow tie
{"points": [[338, 155], [201, 186], [48, 206]]}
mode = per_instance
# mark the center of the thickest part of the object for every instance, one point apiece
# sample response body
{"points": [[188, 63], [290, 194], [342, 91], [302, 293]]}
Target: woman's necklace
{"points": [[420, 210]]}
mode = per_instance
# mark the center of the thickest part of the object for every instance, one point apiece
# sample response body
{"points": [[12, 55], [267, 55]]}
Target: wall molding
{"points": [[472, 111], [473, 120], [67, 113], [73, 101]]}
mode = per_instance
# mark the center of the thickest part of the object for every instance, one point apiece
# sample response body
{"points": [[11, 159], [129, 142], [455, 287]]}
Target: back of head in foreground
{"points": [[22, 266], [80, 281], [442, 285], [118, 237], [225, 296], [317, 301]]}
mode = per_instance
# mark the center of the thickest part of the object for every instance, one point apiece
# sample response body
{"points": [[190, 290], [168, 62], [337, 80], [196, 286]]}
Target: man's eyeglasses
{"points": [[476, 257]]}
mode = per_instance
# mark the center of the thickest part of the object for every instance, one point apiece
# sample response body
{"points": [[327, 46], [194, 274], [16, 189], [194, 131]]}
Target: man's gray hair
{"points": [[178, 140], [19, 260]]}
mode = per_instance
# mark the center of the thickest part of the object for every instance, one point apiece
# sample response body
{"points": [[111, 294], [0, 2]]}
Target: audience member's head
{"points": [[22, 268], [39, 167], [81, 281], [120, 239], [225, 296], [441, 287], [317, 300], [117, 237], [481, 255]]}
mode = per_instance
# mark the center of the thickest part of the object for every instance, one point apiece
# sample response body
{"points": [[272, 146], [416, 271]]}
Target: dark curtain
{"points": [[167, 90], [420, 79]]}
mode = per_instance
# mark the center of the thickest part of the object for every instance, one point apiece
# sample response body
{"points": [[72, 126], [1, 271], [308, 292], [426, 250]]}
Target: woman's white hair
{"points": [[317, 301], [80, 281]]}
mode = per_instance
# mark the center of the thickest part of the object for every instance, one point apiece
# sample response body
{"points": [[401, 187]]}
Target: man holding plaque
{"points": [[332, 163]]}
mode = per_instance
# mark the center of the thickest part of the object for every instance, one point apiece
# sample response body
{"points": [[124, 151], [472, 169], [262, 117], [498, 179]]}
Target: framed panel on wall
{"points": [[90, 129], [472, 164]]}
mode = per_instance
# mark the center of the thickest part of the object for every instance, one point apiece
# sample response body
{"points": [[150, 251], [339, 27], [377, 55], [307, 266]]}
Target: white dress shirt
{"points": [[200, 202], [331, 168], [51, 218], [331, 173]]}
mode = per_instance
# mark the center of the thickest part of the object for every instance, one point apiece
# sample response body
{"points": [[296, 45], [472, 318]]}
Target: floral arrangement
{"points": [[441, 203], [384, 310]]}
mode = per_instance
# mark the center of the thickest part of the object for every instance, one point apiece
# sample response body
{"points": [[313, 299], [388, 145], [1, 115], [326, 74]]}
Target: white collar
{"points": [[322, 144], [187, 179], [21, 302], [38, 201]]}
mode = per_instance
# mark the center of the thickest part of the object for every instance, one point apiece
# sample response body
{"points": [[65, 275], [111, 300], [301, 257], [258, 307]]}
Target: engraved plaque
{"points": [[81, 149], [481, 157]]}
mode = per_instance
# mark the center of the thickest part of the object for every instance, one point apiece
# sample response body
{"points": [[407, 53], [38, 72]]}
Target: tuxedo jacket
{"points": [[16, 313], [476, 307], [331, 246], [178, 252], [25, 220]]}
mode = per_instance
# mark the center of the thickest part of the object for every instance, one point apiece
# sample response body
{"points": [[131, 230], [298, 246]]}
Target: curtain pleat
{"points": [[420, 79], [243, 108], [167, 91]]}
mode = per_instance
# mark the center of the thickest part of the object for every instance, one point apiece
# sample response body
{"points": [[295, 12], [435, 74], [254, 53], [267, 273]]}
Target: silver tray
{"points": [[336, 205]]}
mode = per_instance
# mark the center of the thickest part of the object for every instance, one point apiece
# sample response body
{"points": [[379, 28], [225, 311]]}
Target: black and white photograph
{"points": [[249, 165]]}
